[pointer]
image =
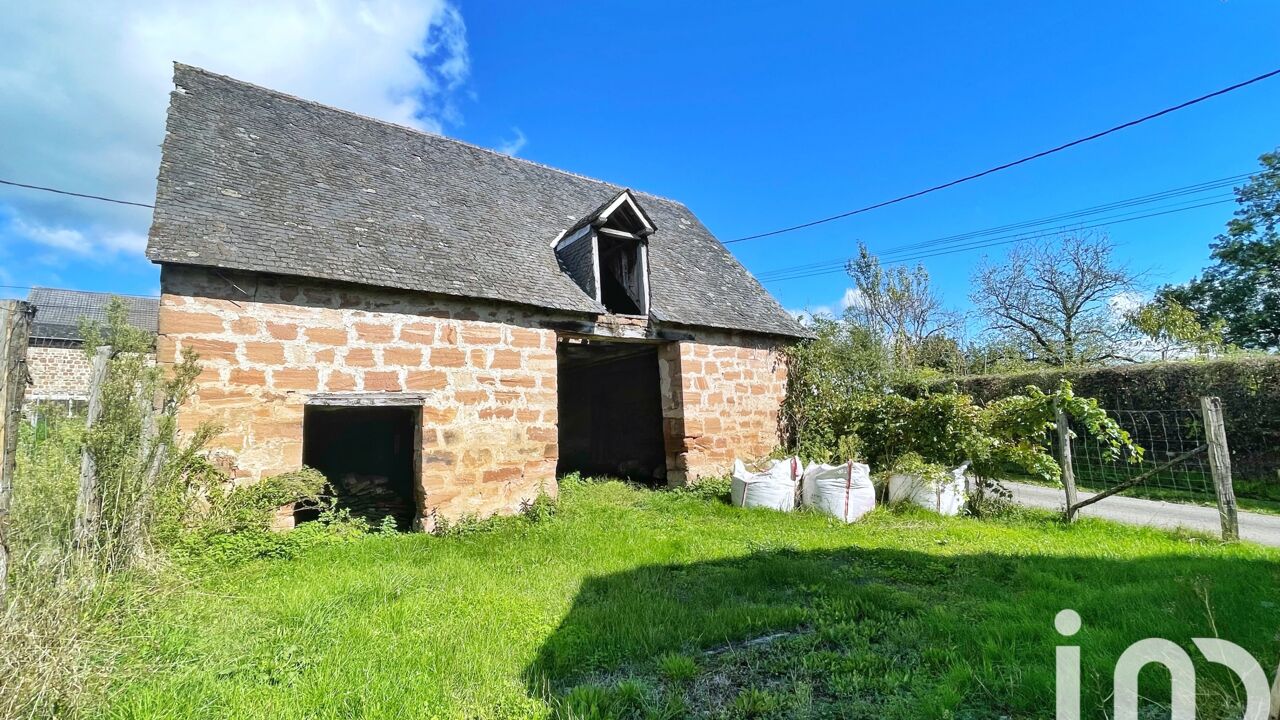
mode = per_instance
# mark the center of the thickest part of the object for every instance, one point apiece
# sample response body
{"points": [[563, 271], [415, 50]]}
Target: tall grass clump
{"points": [[73, 549], [84, 554], [89, 554]]}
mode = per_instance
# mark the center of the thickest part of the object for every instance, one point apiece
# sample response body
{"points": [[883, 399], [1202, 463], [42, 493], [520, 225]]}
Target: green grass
{"points": [[632, 603]]}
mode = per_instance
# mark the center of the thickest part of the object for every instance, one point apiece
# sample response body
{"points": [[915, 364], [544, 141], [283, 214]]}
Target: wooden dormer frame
{"points": [[593, 228]]}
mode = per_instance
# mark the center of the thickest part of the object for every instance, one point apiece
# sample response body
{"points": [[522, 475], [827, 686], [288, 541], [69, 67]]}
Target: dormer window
{"points": [[607, 254]]}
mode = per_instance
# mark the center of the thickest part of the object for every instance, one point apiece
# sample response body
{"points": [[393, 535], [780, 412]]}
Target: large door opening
{"points": [[610, 410], [368, 455]]}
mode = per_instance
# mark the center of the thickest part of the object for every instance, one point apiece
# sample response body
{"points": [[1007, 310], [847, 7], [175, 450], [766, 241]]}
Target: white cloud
{"points": [[84, 87], [1121, 304], [58, 238], [515, 144], [849, 298]]}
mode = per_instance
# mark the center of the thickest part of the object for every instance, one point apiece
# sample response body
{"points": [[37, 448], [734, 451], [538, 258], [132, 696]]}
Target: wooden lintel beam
{"points": [[367, 399]]}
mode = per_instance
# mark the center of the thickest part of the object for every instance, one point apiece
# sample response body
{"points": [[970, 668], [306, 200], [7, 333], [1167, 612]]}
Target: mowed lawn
{"points": [[635, 603]]}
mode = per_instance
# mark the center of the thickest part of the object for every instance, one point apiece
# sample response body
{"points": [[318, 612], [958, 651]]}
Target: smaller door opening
{"points": [[368, 455]]}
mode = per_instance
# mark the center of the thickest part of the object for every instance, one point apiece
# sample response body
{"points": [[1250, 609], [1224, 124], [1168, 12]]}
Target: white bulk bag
{"points": [[945, 497], [844, 491], [774, 488]]}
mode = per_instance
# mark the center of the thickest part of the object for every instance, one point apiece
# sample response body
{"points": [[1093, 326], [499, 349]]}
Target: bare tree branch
{"points": [[1052, 298]]}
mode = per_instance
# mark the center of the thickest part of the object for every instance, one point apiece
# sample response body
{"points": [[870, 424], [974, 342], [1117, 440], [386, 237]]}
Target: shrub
{"points": [[949, 428], [1249, 387], [541, 509], [212, 546], [253, 507], [825, 376], [234, 526]]}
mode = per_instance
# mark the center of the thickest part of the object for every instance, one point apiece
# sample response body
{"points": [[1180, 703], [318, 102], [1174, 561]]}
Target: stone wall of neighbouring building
{"points": [[731, 389], [487, 378], [59, 371]]}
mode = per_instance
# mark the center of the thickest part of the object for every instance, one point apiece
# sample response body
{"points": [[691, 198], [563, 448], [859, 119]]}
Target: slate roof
{"points": [[58, 312], [253, 179]]}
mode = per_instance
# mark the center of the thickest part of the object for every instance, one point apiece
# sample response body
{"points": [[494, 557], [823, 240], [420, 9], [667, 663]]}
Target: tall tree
{"points": [[899, 304], [1051, 299], [1243, 286], [1171, 327]]}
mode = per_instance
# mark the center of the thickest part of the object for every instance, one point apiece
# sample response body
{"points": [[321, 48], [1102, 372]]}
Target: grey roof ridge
{"points": [[93, 292], [424, 133]]}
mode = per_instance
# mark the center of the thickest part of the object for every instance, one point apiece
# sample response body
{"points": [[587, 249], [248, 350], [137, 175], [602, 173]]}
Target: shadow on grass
{"points": [[891, 634]]}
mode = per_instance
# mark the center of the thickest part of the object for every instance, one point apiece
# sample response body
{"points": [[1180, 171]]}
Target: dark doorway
{"points": [[367, 453], [610, 410]]}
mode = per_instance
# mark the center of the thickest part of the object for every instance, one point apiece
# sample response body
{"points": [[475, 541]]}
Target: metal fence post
{"points": [[1064, 460], [1220, 466], [15, 330]]}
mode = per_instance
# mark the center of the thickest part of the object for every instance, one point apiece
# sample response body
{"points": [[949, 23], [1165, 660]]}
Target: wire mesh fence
{"points": [[1173, 464], [1185, 456], [1255, 459]]}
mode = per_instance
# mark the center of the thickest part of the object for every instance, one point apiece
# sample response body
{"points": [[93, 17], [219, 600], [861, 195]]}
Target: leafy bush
{"points": [[541, 509], [1249, 388], [234, 526], [253, 507], [825, 377], [213, 546], [947, 429]]}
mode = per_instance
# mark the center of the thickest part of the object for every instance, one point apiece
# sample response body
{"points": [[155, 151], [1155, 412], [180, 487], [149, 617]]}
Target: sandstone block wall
{"points": [[59, 371], [488, 379], [721, 399], [483, 374]]}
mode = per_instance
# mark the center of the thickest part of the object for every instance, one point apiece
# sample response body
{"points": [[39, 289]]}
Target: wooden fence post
{"points": [[1064, 460], [1275, 697], [88, 501], [1220, 465], [15, 330]]}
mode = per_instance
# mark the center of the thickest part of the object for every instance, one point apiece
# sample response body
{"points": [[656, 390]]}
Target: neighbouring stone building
{"points": [[56, 358], [438, 327]]}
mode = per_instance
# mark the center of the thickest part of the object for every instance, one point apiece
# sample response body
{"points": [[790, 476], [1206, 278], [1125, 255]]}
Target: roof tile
{"points": [[253, 179]]}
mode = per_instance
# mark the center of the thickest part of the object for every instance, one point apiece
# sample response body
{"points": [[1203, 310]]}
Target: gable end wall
{"points": [[488, 440]]}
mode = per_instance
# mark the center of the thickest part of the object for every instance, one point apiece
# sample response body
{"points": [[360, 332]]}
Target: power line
{"points": [[1008, 165], [1141, 200], [1007, 240], [74, 194]]}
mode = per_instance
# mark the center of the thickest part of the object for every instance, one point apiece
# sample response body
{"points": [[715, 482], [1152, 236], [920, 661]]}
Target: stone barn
{"points": [[56, 357], [440, 328]]}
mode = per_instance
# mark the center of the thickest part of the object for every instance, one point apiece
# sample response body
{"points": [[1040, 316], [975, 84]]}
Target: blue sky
{"points": [[755, 115]]}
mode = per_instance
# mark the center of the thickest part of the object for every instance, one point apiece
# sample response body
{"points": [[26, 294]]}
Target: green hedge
{"points": [[1249, 388]]}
